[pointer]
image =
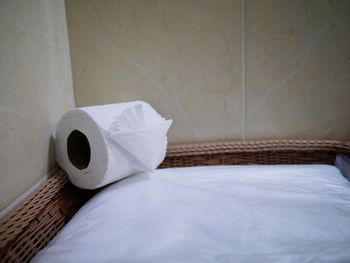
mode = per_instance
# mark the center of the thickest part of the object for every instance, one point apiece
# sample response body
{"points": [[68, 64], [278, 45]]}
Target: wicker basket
{"points": [[37, 220]]}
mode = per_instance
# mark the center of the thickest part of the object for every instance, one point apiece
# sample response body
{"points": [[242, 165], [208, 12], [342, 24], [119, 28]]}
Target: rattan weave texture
{"points": [[36, 221], [261, 152]]}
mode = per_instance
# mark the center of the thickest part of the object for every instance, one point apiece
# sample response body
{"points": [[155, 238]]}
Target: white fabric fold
{"points": [[145, 139]]}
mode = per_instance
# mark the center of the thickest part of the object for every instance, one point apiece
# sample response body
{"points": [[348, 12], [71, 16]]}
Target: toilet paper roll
{"points": [[98, 145]]}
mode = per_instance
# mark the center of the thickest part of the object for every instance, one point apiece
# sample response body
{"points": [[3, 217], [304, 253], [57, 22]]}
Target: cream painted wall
{"points": [[298, 69], [35, 89], [184, 57]]}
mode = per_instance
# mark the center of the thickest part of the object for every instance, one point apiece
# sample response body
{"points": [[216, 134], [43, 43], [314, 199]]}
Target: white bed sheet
{"points": [[279, 213]]}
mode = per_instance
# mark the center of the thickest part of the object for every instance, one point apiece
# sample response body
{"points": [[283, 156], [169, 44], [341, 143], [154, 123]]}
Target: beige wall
{"points": [[35, 89], [184, 57], [298, 69]]}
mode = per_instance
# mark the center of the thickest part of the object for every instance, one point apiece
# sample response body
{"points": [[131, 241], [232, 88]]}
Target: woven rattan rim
{"points": [[23, 214], [256, 146]]}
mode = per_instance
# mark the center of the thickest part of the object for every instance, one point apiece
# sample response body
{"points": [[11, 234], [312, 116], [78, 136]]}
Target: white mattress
{"points": [[284, 213]]}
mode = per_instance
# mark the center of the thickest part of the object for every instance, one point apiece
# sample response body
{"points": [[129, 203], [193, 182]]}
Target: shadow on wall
{"points": [[52, 166]]}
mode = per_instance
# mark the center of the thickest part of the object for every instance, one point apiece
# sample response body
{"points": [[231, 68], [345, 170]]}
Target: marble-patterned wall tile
{"points": [[35, 89], [298, 65], [183, 57]]}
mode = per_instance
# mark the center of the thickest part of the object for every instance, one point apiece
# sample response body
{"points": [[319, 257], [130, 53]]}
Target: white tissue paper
{"points": [[98, 145]]}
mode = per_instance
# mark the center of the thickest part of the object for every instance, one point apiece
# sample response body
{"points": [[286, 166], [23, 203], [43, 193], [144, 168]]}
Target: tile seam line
{"points": [[243, 72]]}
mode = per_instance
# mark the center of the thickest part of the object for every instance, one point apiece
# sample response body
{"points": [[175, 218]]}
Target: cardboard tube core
{"points": [[78, 148]]}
